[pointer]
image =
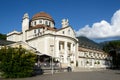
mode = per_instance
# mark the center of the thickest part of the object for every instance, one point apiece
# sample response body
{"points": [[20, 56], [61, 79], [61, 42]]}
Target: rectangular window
{"points": [[63, 32], [35, 31], [46, 22], [69, 46], [35, 23], [38, 30]]}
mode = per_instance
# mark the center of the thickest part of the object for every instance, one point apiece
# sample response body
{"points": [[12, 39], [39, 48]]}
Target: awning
{"points": [[44, 54]]}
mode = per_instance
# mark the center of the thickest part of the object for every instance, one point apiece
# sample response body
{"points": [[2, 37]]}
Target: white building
{"points": [[40, 33], [91, 58]]}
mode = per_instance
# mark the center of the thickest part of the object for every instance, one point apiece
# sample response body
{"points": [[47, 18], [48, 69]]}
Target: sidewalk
{"points": [[81, 69], [75, 69]]}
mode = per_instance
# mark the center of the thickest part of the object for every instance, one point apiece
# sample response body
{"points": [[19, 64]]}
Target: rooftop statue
{"points": [[65, 23]]}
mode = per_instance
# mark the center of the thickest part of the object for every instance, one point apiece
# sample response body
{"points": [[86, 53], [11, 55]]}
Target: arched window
{"points": [[35, 23], [40, 21], [46, 22]]}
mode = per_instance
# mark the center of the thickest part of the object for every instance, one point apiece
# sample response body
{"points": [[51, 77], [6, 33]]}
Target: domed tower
{"points": [[42, 18]]}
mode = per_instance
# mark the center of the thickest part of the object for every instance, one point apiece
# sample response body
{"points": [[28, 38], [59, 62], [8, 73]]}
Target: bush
{"points": [[16, 62]]}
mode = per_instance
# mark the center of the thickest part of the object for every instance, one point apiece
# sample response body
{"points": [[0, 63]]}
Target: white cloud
{"points": [[102, 29]]}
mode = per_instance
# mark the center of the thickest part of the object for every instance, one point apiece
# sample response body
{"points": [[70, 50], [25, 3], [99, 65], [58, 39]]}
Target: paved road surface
{"points": [[91, 75]]}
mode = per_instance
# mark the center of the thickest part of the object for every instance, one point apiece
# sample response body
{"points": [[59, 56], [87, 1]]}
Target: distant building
{"points": [[40, 34]]}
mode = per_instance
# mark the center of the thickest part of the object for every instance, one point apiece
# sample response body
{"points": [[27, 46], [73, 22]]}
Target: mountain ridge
{"points": [[88, 43]]}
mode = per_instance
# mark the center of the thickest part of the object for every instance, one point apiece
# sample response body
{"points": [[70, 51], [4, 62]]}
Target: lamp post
{"points": [[52, 58], [53, 52]]}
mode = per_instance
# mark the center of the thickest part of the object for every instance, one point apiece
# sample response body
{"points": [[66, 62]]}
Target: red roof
{"points": [[42, 15]]}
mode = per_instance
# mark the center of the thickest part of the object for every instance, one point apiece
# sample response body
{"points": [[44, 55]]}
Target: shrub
{"points": [[16, 62]]}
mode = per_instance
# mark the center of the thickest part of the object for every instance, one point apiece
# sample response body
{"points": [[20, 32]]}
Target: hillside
{"points": [[3, 40], [87, 43], [2, 36], [107, 42]]}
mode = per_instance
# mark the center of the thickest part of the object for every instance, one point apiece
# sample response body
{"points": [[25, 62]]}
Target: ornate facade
{"points": [[40, 33]]}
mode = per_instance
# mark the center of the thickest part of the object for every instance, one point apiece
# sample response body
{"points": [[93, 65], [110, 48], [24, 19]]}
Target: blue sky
{"points": [[82, 14]]}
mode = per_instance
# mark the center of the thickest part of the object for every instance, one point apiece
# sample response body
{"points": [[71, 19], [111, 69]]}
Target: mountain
{"points": [[87, 43], [107, 42], [5, 42]]}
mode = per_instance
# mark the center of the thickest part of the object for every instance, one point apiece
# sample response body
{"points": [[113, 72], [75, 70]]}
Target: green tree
{"points": [[113, 48], [112, 45], [16, 62], [2, 36]]}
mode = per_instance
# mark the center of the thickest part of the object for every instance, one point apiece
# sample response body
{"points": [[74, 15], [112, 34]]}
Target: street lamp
{"points": [[52, 57], [53, 52]]}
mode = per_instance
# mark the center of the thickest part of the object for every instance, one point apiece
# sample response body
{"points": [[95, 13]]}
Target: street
{"points": [[87, 75]]}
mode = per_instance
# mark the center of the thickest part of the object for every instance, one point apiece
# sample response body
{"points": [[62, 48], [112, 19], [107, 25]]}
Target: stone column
{"points": [[57, 48], [65, 52], [61, 47], [75, 53], [71, 52]]}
